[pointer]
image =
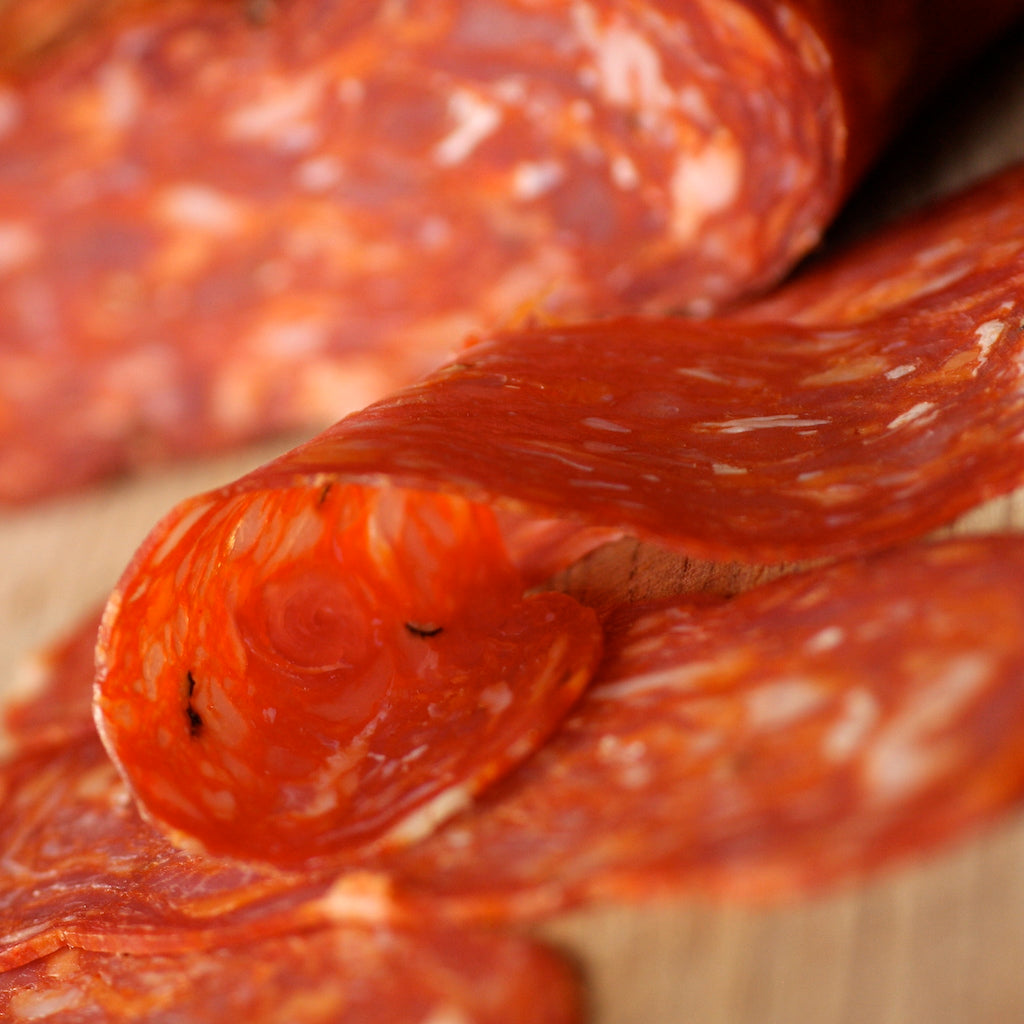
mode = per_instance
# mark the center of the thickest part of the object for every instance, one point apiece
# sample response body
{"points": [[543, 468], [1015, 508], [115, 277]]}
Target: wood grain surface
{"points": [[940, 942]]}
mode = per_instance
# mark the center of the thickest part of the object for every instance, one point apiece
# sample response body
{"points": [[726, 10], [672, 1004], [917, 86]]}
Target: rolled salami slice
{"points": [[810, 731], [338, 976], [333, 667], [221, 220], [274, 663]]}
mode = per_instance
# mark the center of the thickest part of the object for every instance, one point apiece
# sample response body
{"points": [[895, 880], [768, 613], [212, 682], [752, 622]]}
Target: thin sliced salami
{"points": [[947, 246], [373, 662], [340, 976], [222, 220], [809, 731], [373, 553], [81, 868], [49, 700]]}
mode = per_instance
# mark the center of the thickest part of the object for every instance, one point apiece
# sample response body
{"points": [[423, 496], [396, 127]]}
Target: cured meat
{"points": [[30, 30], [50, 698], [222, 220], [342, 976], [81, 868], [376, 664], [753, 441], [812, 730], [946, 247]]}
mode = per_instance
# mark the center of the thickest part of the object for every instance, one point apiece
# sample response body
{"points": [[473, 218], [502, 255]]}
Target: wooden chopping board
{"points": [[936, 943]]}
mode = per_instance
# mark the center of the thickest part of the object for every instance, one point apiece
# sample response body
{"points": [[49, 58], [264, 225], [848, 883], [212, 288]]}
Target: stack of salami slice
{"points": [[350, 727]]}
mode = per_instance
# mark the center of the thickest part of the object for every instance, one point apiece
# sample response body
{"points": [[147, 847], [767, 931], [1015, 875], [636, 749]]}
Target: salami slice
{"points": [[50, 698], [222, 220], [373, 553], [341, 976], [946, 246], [81, 868], [812, 730], [373, 662]]}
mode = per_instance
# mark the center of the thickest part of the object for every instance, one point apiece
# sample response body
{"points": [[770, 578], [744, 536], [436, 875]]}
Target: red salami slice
{"points": [[812, 730], [372, 664], [350, 976], [81, 868], [50, 698], [372, 553], [808, 731], [215, 225], [946, 247]]}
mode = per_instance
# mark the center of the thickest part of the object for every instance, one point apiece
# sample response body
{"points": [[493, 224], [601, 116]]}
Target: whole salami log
{"points": [[31, 30], [222, 220], [341, 976], [389, 555]]}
